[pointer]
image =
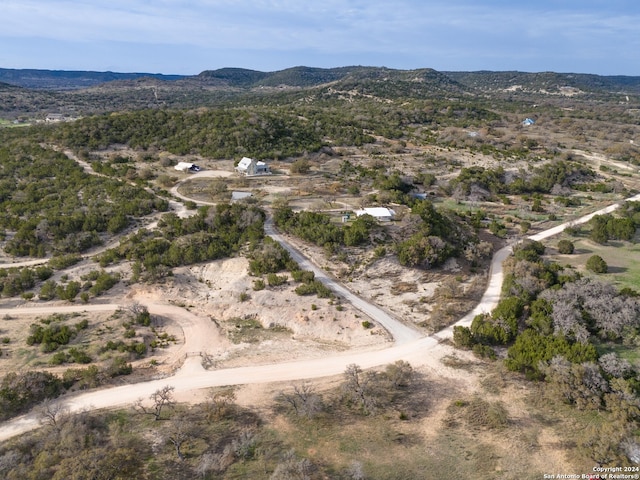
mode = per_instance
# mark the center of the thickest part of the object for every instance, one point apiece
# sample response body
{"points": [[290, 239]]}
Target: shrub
{"points": [[48, 290], [317, 287], [79, 356], [380, 251], [69, 291], [104, 282], [482, 413], [484, 351], [258, 284], [21, 391], [305, 289], [572, 230], [565, 247], [143, 317], [529, 250], [50, 337], [303, 276], [82, 325], [462, 337], [276, 280], [118, 366], [300, 166], [61, 262], [596, 264], [59, 358], [270, 258]]}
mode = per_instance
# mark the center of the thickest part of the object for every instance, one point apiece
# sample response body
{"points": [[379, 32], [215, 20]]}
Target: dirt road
{"points": [[419, 351]]}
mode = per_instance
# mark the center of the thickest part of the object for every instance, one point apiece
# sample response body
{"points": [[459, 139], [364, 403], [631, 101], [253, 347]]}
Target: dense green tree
{"points": [[532, 348], [596, 264], [565, 247], [21, 391]]}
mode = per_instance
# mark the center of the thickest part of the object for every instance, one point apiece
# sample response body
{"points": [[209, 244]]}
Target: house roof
{"points": [[240, 195], [244, 163], [377, 212]]}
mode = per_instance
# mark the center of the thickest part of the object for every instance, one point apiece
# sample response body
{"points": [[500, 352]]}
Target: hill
{"points": [[36, 93], [303, 77], [68, 80], [546, 82]]}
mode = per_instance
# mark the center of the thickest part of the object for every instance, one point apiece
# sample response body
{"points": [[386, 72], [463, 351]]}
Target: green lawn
{"points": [[623, 259]]}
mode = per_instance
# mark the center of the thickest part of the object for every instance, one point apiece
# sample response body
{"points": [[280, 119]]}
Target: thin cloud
{"points": [[405, 33]]}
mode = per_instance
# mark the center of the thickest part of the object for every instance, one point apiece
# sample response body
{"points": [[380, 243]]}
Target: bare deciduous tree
{"points": [[359, 387], [245, 445], [161, 398], [53, 414], [206, 464], [399, 374], [179, 433], [611, 314], [292, 468], [615, 366], [303, 400], [136, 308]]}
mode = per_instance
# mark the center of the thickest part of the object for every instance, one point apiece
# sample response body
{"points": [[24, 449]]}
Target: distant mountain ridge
{"points": [[546, 81], [305, 77], [30, 93], [69, 79]]}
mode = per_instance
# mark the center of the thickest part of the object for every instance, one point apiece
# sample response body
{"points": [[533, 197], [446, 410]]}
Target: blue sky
{"points": [[189, 36]]}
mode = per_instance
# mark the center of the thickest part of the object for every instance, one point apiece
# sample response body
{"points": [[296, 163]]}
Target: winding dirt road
{"points": [[409, 345]]}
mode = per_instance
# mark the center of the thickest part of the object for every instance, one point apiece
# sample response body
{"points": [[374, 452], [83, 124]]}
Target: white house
{"points": [[249, 166], [381, 214]]}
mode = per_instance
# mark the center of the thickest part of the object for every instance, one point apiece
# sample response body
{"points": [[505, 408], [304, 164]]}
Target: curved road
{"points": [[192, 376]]}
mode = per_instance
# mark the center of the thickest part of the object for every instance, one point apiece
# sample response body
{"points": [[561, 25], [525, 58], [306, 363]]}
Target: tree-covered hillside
{"points": [[50, 205]]}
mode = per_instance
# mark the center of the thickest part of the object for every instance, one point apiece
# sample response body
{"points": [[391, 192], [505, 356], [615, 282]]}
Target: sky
{"points": [[189, 36]]}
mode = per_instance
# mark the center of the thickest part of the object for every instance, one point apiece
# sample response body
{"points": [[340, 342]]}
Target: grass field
{"points": [[623, 259], [9, 124]]}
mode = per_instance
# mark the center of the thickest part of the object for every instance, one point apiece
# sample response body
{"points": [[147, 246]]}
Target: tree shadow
{"points": [[615, 243], [616, 269]]}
